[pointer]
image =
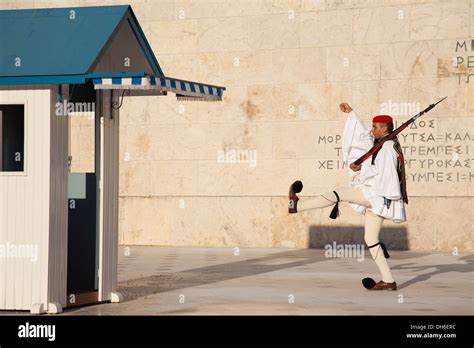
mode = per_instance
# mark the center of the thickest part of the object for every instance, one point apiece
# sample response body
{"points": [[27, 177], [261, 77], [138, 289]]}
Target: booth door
{"points": [[82, 236], [83, 241]]}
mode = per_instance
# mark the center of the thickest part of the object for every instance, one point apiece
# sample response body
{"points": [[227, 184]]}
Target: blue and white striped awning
{"points": [[185, 90], [142, 82]]}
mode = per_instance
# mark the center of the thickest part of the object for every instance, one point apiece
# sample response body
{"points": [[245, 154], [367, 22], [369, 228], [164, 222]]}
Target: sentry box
{"points": [[58, 229]]}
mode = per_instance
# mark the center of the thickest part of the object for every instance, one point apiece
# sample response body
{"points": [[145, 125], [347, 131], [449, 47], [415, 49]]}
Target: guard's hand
{"points": [[345, 107], [355, 168]]}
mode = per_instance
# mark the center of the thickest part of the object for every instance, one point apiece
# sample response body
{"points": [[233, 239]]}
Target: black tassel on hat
{"points": [[335, 210]]}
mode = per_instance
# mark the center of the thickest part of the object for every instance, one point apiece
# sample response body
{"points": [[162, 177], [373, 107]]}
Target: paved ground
{"points": [[170, 281]]}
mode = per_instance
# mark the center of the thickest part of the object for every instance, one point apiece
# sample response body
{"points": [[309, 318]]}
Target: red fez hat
{"points": [[383, 119]]}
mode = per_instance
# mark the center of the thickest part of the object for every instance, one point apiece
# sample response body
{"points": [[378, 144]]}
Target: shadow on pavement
{"points": [[140, 287], [466, 267], [395, 238], [134, 288]]}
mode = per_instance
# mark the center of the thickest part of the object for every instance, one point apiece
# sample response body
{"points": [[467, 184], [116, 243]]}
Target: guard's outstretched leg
{"points": [[327, 199]]}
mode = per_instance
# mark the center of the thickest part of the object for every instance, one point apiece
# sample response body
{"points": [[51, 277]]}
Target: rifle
{"points": [[394, 133]]}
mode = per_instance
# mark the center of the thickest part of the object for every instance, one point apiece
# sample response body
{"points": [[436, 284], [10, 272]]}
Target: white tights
{"points": [[373, 222]]}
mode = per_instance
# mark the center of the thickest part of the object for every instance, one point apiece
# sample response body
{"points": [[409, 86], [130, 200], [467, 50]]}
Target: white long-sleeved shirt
{"points": [[379, 180]]}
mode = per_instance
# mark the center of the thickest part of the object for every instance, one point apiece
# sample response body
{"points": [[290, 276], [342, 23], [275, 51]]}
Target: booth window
{"points": [[12, 138]]}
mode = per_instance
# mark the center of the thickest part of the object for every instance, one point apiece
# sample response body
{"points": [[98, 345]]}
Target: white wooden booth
{"points": [[59, 230]]}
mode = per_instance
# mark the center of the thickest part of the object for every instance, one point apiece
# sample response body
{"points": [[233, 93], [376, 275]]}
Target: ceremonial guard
{"points": [[377, 190]]}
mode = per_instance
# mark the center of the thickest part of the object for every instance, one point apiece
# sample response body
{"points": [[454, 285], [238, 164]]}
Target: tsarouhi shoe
{"points": [[295, 188], [381, 285]]}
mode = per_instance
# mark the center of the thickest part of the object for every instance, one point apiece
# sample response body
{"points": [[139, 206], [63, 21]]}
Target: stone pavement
{"points": [[190, 281]]}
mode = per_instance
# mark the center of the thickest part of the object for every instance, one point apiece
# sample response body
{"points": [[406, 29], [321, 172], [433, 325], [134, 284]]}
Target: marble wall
{"points": [[287, 64]]}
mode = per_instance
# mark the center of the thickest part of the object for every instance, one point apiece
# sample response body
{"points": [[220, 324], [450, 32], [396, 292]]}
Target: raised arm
{"points": [[353, 115], [356, 138]]}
